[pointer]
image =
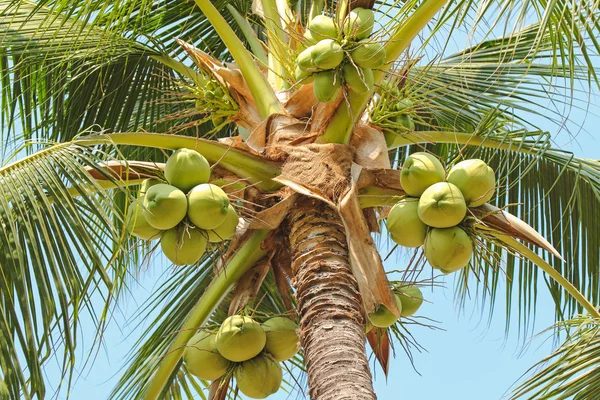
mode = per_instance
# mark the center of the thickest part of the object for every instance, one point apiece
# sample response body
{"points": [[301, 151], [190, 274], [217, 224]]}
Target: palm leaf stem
{"points": [[255, 44]]}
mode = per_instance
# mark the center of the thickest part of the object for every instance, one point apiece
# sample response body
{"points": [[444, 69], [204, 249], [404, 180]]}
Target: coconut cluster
{"points": [[186, 213], [252, 351], [213, 99], [436, 204], [408, 301], [340, 56], [396, 110]]}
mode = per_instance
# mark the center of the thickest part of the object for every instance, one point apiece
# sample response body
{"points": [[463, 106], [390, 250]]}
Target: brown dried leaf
{"points": [[272, 217], [370, 148], [302, 102], [383, 178], [248, 286], [379, 340], [323, 114], [219, 388]]}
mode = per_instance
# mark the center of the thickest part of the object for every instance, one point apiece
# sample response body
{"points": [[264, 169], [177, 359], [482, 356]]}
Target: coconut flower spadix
{"points": [[359, 23], [164, 206], [359, 80], [183, 246], [404, 225], [327, 86], [368, 54], [475, 179], [137, 224], [383, 317], [208, 206], [327, 54], [282, 339], [448, 249], [187, 168], [227, 229], [442, 205], [322, 27], [202, 358], [240, 338], [411, 298], [259, 377], [419, 171]]}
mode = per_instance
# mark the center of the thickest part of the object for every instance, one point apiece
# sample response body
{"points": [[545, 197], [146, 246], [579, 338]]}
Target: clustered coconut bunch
{"points": [[187, 213], [250, 350], [394, 110], [340, 56], [437, 204], [213, 99], [408, 301]]}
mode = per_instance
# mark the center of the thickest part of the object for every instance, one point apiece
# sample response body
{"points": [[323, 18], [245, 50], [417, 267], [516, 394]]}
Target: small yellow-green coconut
{"points": [[323, 27], [383, 317], [359, 24], [164, 206], [475, 179], [405, 121], [208, 206], [448, 249], [327, 86], [368, 54], [359, 80], [442, 205], [187, 168], [147, 184], [282, 339], [411, 298], [183, 246], [327, 54], [137, 224], [240, 338], [304, 59], [404, 225], [259, 377], [227, 229], [419, 171], [202, 358]]}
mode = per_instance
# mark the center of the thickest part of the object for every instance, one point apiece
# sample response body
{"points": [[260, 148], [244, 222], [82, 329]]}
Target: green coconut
{"points": [[304, 59], [404, 225], [227, 229], [208, 206], [419, 171], [359, 24], [442, 205], [147, 184], [411, 298], [383, 317], [327, 54], [403, 104], [309, 38], [448, 249], [303, 75], [475, 179], [164, 206], [359, 80], [322, 27], [202, 358], [187, 168], [259, 377], [183, 246], [282, 339], [137, 224], [368, 54], [327, 86], [240, 338], [405, 121]]}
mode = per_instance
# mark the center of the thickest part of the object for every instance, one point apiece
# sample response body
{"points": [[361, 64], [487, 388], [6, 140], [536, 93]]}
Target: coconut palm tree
{"points": [[97, 94]]}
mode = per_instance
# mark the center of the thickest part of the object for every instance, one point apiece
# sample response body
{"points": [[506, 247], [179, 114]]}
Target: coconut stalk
{"points": [[255, 44], [246, 256]]}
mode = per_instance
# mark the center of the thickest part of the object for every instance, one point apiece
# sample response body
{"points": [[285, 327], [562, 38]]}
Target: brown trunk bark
{"points": [[331, 319]]}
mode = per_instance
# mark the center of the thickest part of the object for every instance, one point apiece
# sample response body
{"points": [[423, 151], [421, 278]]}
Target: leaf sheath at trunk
{"points": [[329, 304]]}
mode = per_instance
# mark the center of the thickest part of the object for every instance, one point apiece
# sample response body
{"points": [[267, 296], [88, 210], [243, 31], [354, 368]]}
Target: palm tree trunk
{"points": [[332, 329]]}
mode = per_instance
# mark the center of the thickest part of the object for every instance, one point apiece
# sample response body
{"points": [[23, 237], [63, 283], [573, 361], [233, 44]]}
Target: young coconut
{"points": [[327, 86], [359, 80], [164, 206], [208, 206], [327, 54], [359, 24], [404, 225], [419, 171], [259, 377], [405, 121], [183, 246], [147, 184], [442, 205], [202, 358], [282, 339], [475, 179], [368, 54], [187, 168], [448, 249], [383, 317], [304, 59], [137, 224], [411, 298], [240, 338], [227, 229], [322, 27]]}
